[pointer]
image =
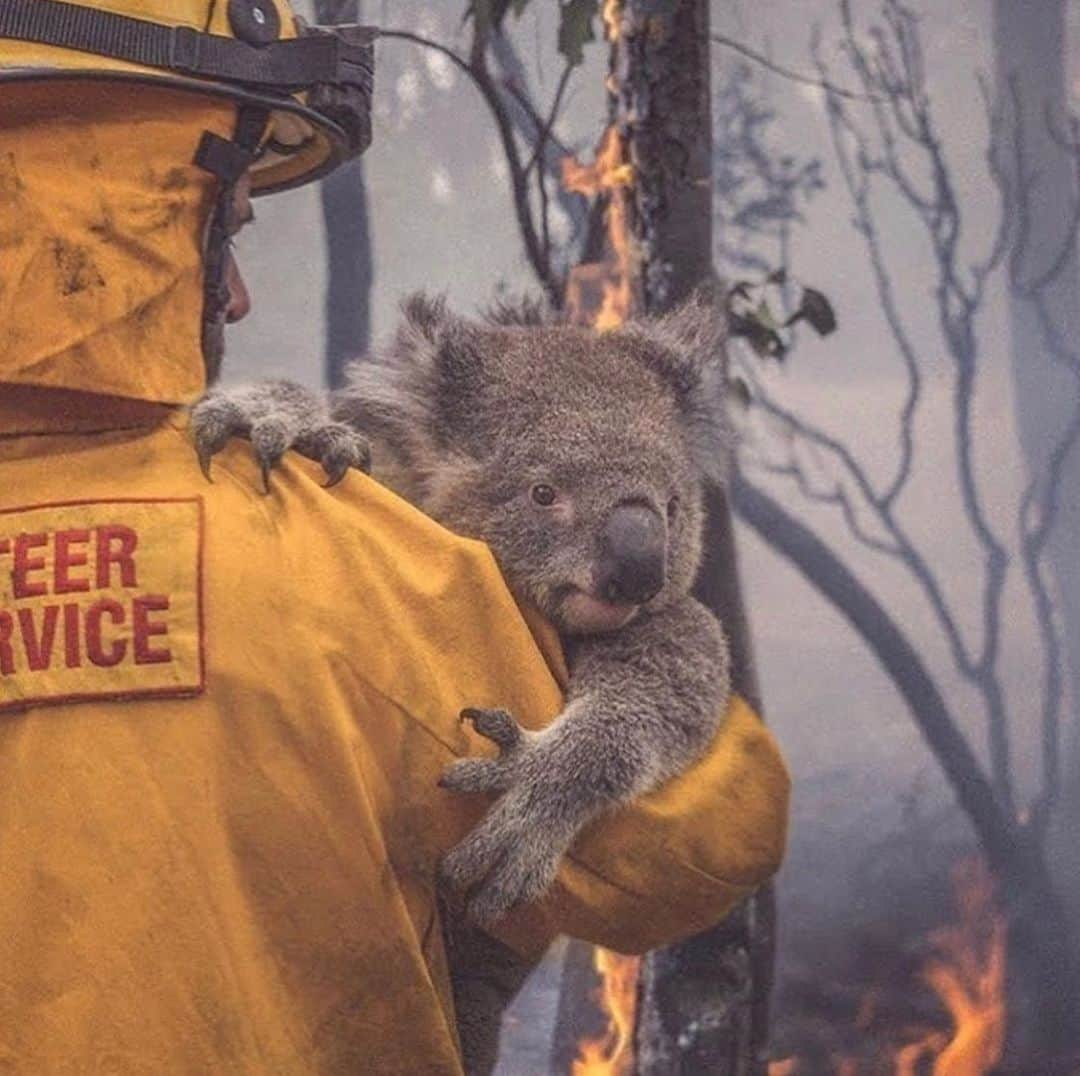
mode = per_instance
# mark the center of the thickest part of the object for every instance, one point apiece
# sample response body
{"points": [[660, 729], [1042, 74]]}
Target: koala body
{"points": [[581, 459]]}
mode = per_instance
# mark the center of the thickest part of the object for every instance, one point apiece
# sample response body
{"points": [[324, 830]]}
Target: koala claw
{"points": [[213, 421], [206, 456], [277, 417], [498, 726], [339, 449]]}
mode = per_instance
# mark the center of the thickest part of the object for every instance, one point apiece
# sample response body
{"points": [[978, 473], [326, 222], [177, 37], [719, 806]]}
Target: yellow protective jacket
{"points": [[223, 715]]}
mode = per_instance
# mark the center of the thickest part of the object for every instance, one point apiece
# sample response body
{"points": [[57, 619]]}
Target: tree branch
{"points": [[831, 577], [476, 69], [786, 72]]}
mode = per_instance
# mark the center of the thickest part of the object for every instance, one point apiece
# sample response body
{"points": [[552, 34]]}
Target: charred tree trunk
{"points": [[350, 266], [702, 1003]]}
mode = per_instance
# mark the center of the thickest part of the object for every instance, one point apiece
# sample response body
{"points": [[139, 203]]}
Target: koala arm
{"points": [[642, 704], [675, 861]]}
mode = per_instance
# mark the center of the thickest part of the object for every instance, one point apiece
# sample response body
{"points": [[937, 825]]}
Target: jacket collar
{"points": [[28, 410]]}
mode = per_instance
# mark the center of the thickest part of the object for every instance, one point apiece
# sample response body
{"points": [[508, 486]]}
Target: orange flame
{"points": [[967, 972], [788, 1067], [612, 1054], [602, 293], [612, 16]]}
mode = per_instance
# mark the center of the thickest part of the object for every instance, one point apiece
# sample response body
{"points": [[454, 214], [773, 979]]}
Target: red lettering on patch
{"points": [[68, 556], [7, 658], [145, 629], [38, 636], [116, 545], [100, 600], [96, 650], [27, 563], [72, 650]]}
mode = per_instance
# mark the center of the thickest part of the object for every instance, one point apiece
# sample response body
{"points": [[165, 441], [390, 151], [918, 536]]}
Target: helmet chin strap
{"points": [[228, 160]]}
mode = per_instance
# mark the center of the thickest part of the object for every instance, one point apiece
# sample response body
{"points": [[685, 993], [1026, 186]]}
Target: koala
{"points": [[581, 459]]}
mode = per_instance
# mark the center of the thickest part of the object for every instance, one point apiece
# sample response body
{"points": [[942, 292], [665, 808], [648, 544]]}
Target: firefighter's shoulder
{"points": [[421, 615]]}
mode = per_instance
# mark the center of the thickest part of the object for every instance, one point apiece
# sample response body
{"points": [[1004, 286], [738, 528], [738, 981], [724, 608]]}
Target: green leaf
{"points": [[576, 28]]}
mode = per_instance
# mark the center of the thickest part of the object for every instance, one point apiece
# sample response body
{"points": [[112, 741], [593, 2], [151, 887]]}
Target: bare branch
{"points": [[981, 270], [544, 133], [476, 69], [893, 71], [785, 72], [856, 180], [893, 649]]}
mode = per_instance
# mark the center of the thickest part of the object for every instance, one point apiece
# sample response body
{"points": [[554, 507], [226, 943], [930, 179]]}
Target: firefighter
{"points": [[223, 715]]}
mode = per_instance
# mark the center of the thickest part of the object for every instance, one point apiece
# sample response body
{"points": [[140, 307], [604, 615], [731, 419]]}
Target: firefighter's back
{"points": [[224, 716]]}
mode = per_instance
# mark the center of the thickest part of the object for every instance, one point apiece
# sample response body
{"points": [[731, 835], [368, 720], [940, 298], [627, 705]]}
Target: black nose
{"points": [[632, 561]]}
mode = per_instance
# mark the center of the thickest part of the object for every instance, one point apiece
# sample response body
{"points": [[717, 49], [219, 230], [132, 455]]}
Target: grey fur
{"points": [[465, 420]]}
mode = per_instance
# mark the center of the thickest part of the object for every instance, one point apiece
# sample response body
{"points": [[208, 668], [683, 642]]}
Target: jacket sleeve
{"points": [[438, 631], [677, 861]]}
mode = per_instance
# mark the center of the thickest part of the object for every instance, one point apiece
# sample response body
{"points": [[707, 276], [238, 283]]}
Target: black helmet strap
{"points": [[228, 160], [277, 66]]}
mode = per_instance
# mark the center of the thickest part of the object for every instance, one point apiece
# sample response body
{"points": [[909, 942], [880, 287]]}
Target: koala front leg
{"points": [[277, 416], [644, 702], [596, 755], [549, 792]]}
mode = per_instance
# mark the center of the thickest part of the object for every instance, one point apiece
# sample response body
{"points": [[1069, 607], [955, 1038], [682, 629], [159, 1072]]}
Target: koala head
{"points": [[579, 457]]}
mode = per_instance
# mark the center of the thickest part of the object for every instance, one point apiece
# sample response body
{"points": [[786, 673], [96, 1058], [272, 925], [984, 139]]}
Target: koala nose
{"points": [[634, 548]]}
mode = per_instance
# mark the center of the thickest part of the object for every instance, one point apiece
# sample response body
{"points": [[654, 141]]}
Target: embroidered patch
{"points": [[100, 600]]}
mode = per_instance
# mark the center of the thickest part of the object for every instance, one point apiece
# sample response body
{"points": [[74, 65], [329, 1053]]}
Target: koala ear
{"points": [[438, 344], [519, 311], [406, 391], [688, 348]]}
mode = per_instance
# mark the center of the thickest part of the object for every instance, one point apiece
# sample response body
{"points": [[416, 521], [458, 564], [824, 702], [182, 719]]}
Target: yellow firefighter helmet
{"points": [[304, 92]]}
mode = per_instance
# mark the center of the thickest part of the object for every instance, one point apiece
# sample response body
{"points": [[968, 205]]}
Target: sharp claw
{"points": [[495, 725], [334, 476], [206, 457], [265, 468]]}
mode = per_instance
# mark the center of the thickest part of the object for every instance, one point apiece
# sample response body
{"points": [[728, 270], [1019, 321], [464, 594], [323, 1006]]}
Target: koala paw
{"points": [[277, 417], [484, 774], [509, 859]]}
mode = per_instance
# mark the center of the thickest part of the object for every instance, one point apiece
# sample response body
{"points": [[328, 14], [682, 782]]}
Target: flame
{"points": [[612, 16], [612, 1054], [967, 973], [788, 1067], [602, 293]]}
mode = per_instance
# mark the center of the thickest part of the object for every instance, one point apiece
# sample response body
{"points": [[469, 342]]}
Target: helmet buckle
{"points": [[184, 49]]}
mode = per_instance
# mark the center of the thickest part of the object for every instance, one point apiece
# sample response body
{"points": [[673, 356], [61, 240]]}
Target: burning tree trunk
{"points": [[703, 1003]]}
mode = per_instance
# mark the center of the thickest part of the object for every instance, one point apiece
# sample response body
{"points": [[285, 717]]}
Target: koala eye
{"points": [[672, 508], [543, 495]]}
